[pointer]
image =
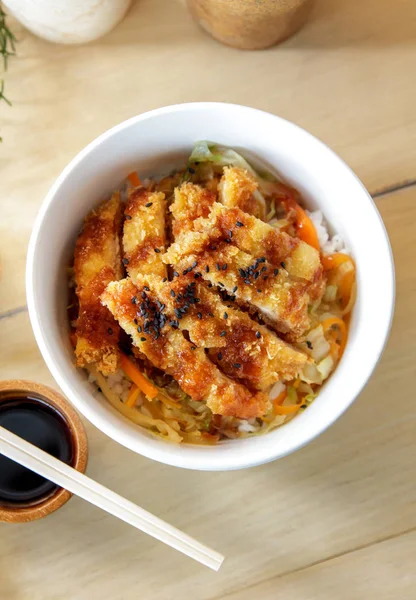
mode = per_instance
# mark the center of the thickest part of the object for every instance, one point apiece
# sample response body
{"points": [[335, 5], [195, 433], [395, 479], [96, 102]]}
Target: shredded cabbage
{"points": [[325, 367]]}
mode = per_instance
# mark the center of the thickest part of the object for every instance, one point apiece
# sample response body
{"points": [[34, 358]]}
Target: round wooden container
{"points": [[45, 506], [250, 24]]}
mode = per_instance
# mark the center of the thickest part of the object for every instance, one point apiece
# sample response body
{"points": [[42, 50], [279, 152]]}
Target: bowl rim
{"points": [[163, 455]]}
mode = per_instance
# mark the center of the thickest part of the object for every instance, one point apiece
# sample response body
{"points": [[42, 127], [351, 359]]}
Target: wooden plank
{"points": [[384, 571], [350, 488], [327, 79]]}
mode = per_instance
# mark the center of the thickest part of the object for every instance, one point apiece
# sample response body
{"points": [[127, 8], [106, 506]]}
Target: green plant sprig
{"points": [[7, 48]]}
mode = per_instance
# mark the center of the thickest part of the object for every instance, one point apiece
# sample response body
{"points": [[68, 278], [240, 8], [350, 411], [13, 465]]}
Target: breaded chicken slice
{"points": [[282, 301], [257, 238], [237, 189], [191, 201], [143, 317], [97, 261], [240, 347], [144, 234]]}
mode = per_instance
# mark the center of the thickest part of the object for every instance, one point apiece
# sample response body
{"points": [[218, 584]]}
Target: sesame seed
{"points": [[276, 271], [258, 291], [223, 333], [263, 269], [172, 293], [211, 314], [144, 295], [218, 267], [207, 269], [197, 275], [258, 335], [142, 339], [283, 265], [235, 288], [146, 288], [157, 250], [212, 247], [303, 405], [134, 300], [230, 233], [225, 315], [309, 344], [125, 261], [199, 315], [128, 217], [175, 274], [242, 272], [135, 321], [220, 283], [164, 280], [247, 281], [148, 204], [174, 324], [265, 277], [227, 240], [139, 329], [237, 366], [194, 264], [224, 267], [239, 224], [262, 259], [191, 170], [210, 285], [219, 355], [256, 274], [110, 331]]}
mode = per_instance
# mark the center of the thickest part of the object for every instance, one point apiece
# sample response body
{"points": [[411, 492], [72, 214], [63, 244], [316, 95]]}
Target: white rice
{"points": [[329, 245]]}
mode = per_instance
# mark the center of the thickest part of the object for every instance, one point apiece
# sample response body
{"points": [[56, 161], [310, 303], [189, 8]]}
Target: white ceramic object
{"points": [[68, 21], [152, 143]]}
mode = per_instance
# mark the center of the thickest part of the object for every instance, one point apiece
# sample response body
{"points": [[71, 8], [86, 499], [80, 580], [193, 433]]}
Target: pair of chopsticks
{"points": [[66, 477]]}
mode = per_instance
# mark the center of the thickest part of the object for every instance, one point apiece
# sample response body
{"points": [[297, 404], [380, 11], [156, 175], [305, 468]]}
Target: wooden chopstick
{"points": [[65, 476]]}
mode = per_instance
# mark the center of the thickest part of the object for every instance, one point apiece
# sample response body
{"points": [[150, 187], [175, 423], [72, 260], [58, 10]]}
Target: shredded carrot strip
{"points": [[138, 378], [304, 226], [134, 179], [286, 410], [333, 261], [133, 395], [335, 322], [280, 398], [345, 287]]}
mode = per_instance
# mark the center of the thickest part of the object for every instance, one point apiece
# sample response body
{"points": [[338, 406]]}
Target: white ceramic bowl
{"points": [[152, 143]]}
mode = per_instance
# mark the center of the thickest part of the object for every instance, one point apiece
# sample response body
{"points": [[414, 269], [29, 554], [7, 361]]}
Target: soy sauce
{"points": [[42, 425]]}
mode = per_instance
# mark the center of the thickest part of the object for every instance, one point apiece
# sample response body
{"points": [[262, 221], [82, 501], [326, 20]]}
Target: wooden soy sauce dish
{"points": [[44, 418]]}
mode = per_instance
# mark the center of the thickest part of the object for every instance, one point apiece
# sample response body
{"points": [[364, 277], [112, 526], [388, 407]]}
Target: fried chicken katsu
{"points": [[97, 261], [241, 347], [144, 233], [142, 316], [201, 318], [237, 189], [190, 202]]}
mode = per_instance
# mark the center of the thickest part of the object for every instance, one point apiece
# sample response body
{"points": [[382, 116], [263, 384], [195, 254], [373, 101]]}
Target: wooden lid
{"points": [[79, 437]]}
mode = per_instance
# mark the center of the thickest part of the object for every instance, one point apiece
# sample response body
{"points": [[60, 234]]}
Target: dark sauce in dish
{"points": [[42, 425]]}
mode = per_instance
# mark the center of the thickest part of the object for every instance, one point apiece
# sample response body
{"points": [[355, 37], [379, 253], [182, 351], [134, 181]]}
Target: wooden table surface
{"points": [[337, 519]]}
